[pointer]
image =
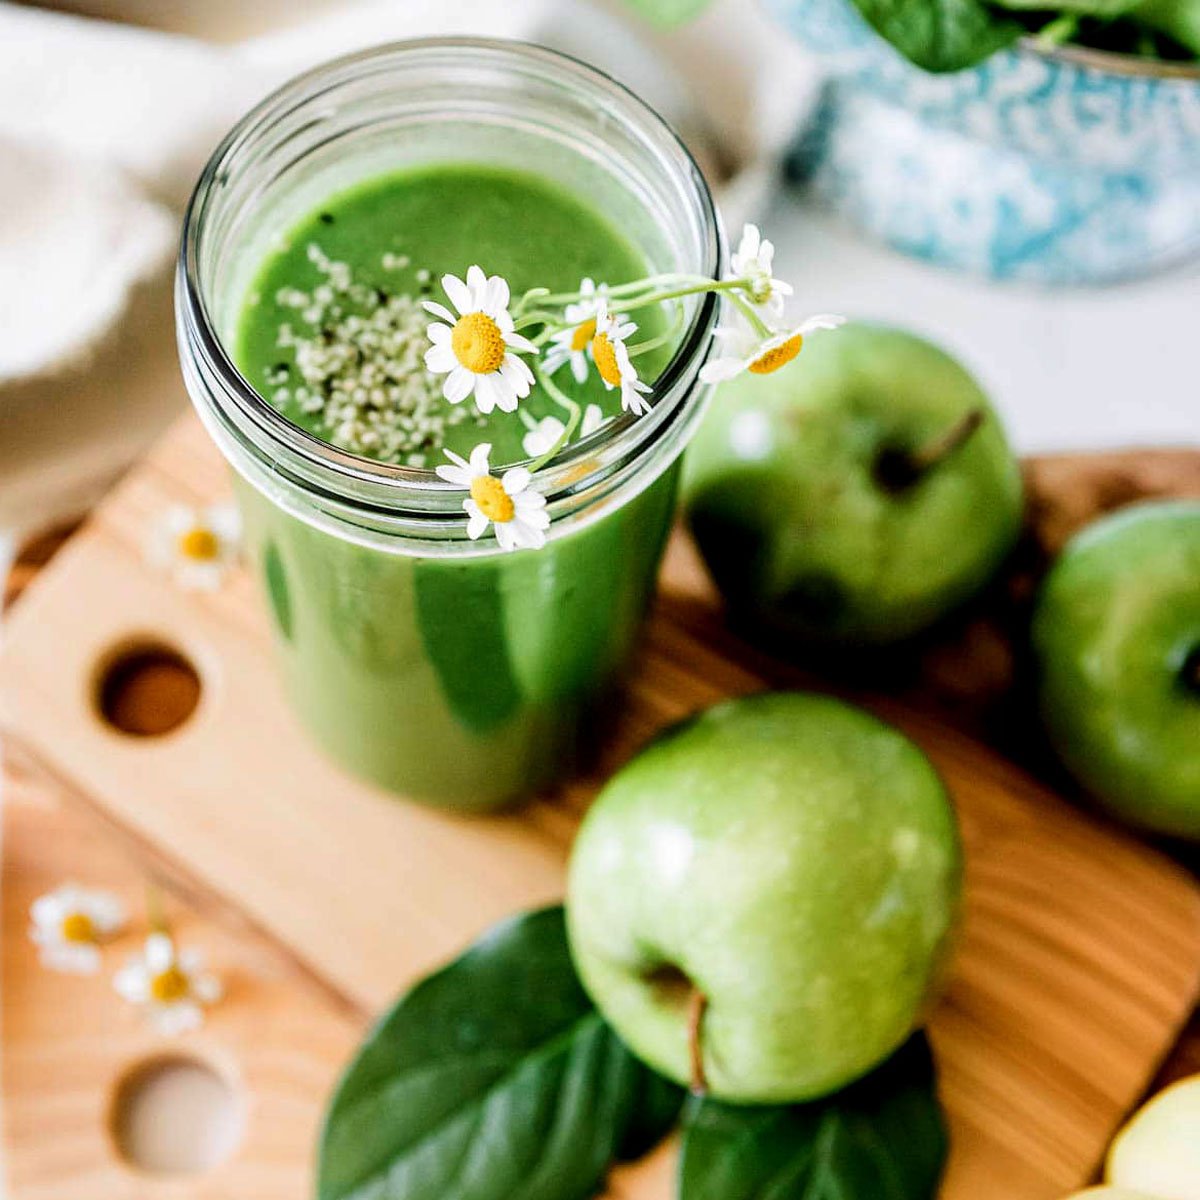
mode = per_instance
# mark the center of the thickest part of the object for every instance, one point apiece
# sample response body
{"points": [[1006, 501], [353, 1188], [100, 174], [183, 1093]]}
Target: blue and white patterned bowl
{"points": [[1065, 166]]}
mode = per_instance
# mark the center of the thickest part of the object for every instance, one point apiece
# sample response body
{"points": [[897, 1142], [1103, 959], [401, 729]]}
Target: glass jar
{"points": [[438, 667]]}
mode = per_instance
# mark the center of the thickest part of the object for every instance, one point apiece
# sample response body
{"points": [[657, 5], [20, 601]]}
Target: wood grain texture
{"points": [[69, 1041], [1080, 953]]}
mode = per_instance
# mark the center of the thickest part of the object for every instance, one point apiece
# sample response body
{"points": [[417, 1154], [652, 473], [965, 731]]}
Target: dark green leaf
{"points": [[880, 1139], [494, 1079], [1180, 19], [941, 35], [1090, 8]]}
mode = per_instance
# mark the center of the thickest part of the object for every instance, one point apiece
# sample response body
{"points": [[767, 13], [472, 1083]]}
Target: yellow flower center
{"points": [[777, 356], [199, 544], [583, 334], [77, 927], [605, 355], [169, 986], [478, 343], [494, 502]]}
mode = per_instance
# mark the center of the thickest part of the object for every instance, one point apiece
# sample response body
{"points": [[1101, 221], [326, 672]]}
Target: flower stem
{"points": [[697, 1005], [732, 286], [622, 289], [662, 339], [156, 913], [563, 401], [747, 310], [898, 469]]}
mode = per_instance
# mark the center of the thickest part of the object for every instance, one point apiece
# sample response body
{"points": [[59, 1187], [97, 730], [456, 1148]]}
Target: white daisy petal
{"points": [[190, 962], [477, 282], [496, 296], [454, 475], [554, 358], [479, 459], [439, 333], [518, 374], [505, 393], [517, 342], [579, 368], [542, 437], [516, 378], [459, 293], [458, 386], [486, 395], [536, 518], [440, 358], [225, 520], [506, 535], [527, 537], [477, 523], [515, 480], [49, 909], [820, 321], [439, 310], [718, 370], [108, 913], [593, 418], [207, 988], [179, 518], [159, 952], [82, 959], [528, 499], [133, 983]]}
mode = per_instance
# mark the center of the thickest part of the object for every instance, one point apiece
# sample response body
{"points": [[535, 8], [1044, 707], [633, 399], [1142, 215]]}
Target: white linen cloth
{"points": [[104, 128]]}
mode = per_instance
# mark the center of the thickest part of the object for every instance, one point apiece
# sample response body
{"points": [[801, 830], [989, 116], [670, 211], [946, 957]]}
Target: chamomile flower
{"points": [[172, 985], [196, 547], [570, 345], [593, 418], [753, 260], [543, 437], [517, 513], [545, 434], [611, 356], [761, 356], [474, 349], [69, 924]]}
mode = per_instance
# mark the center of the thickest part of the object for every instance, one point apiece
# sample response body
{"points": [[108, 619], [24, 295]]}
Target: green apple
{"points": [[1117, 638], [857, 494], [1158, 1152], [763, 900]]}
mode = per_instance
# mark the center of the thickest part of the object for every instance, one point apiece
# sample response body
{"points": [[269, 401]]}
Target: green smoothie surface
{"points": [[333, 335]]}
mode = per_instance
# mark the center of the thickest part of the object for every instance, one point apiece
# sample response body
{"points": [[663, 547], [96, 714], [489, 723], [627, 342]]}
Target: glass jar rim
{"points": [[317, 465]]}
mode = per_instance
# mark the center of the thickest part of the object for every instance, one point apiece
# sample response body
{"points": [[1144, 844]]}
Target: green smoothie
{"points": [[460, 681]]}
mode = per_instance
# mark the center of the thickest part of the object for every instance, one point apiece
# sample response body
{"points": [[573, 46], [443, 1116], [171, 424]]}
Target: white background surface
{"points": [[1068, 369]]}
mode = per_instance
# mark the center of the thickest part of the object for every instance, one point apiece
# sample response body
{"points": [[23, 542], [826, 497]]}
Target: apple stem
{"points": [[900, 469], [697, 1004], [1191, 670]]}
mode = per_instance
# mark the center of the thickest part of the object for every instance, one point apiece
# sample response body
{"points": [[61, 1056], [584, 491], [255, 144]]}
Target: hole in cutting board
{"points": [[147, 689], [175, 1116]]}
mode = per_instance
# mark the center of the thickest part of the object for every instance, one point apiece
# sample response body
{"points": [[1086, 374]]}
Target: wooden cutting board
{"points": [[1080, 958]]}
